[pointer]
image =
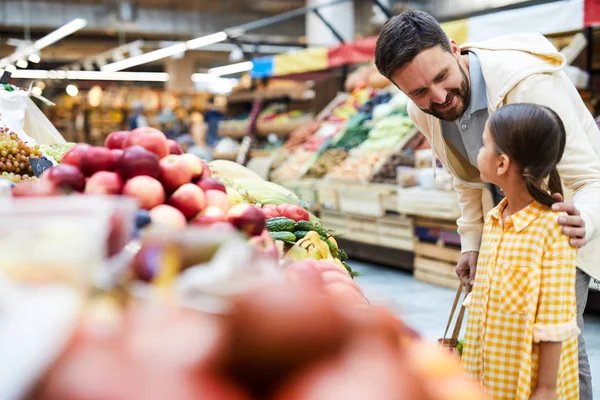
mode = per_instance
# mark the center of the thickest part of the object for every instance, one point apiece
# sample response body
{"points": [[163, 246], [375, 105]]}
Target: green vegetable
{"points": [[300, 234], [460, 346], [349, 269], [285, 236], [343, 255], [281, 225], [332, 248], [322, 232], [304, 226]]}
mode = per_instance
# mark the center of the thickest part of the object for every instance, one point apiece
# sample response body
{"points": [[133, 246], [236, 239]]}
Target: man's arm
{"points": [[580, 166]]}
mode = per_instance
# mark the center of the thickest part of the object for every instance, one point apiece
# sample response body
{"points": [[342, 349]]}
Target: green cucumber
{"points": [[281, 225], [304, 226], [300, 234], [285, 236]]}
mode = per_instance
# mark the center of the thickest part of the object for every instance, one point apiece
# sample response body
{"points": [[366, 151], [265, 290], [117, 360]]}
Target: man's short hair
{"points": [[403, 37]]}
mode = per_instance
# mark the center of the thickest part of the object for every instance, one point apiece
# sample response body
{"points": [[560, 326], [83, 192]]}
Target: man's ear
{"points": [[454, 47]]}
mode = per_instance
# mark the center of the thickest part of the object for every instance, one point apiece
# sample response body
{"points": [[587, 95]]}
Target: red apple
{"points": [[137, 161], [117, 153], [65, 176], [104, 182], [148, 191], [97, 159], [218, 199], [189, 199], [195, 164], [115, 140], [247, 218], [73, 156], [206, 172], [151, 139], [211, 215], [41, 188], [174, 147], [168, 216], [174, 172], [211, 184]]}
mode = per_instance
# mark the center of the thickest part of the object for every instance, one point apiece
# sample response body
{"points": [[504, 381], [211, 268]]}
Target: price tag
{"points": [[39, 165]]}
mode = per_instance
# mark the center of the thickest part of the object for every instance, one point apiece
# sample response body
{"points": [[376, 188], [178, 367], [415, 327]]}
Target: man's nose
{"points": [[438, 95]]}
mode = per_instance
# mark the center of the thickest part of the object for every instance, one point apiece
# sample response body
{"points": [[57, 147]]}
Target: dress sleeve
{"points": [[556, 318]]}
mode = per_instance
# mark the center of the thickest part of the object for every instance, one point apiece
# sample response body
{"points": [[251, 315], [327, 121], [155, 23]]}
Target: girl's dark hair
{"points": [[534, 137]]}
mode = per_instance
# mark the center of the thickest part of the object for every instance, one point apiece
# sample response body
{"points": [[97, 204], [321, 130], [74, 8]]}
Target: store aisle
{"points": [[426, 307]]}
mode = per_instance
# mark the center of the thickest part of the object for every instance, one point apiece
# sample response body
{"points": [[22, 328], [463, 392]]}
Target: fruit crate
{"points": [[334, 221], [428, 203], [281, 129], [234, 129], [327, 196], [361, 229], [436, 264], [361, 199], [396, 232]]}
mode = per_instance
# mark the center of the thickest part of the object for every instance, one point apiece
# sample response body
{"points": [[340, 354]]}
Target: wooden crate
{"points": [[396, 232], [363, 199], [436, 264], [334, 221], [361, 229], [428, 202], [327, 196]]}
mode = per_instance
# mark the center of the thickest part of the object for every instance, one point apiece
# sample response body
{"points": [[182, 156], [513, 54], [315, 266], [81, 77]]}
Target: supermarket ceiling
{"points": [[111, 23]]}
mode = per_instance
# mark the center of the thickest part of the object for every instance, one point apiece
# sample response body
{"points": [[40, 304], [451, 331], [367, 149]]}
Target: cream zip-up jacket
{"points": [[526, 68]]}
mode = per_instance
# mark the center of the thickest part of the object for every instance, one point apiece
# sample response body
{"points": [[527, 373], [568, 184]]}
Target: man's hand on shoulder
{"points": [[573, 225]]}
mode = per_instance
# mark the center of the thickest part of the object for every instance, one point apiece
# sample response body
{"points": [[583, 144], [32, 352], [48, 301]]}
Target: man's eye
{"points": [[419, 93], [440, 77]]}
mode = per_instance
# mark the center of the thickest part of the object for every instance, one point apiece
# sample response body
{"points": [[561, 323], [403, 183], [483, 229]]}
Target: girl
{"points": [[521, 340]]}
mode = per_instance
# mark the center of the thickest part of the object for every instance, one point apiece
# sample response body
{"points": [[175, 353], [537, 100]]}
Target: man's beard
{"points": [[464, 94]]}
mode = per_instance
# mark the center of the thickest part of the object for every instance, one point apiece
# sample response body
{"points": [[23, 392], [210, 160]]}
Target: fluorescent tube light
{"points": [[232, 68], [60, 33], [204, 78], [145, 58], [22, 63], [35, 58], [92, 75], [206, 40]]}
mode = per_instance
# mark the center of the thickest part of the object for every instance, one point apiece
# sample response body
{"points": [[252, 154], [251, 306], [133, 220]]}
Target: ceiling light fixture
{"points": [[49, 39], [232, 68], [72, 90], [174, 50], [35, 58], [60, 33], [204, 78], [145, 58], [93, 75], [22, 63], [206, 40]]}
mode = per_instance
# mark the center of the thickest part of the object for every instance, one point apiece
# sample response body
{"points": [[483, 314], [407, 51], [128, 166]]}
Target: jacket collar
{"points": [[522, 218]]}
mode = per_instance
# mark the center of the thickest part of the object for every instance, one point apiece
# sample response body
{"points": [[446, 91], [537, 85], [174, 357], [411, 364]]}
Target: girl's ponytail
{"points": [[542, 196]]}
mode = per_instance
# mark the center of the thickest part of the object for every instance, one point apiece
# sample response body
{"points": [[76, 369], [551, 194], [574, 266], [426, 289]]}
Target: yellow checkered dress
{"points": [[524, 293]]}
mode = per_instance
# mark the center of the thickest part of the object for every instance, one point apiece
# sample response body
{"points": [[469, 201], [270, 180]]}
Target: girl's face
{"points": [[488, 159]]}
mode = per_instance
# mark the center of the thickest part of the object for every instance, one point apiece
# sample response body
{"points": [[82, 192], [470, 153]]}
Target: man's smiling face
{"points": [[436, 82]]}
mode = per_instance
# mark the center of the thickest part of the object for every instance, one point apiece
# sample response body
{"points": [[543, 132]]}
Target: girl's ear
{"points": [[503, 165]]}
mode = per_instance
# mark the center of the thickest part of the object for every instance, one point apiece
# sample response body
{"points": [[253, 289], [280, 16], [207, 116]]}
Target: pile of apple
{"points": [[175, 188]]}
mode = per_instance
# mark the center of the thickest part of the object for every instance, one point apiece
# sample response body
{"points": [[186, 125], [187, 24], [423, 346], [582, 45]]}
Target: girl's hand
{"points": [[544, 394]]}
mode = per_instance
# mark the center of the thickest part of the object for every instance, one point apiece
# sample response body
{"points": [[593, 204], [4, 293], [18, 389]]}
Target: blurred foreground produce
{"points": [[282, 339]]}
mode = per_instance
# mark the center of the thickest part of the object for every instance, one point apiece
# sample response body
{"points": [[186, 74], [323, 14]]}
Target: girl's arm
{"points": [[548, 370], [556, 317]]}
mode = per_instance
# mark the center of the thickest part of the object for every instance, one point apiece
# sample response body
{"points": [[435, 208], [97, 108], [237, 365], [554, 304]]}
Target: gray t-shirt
{"points": [[466, 133]]}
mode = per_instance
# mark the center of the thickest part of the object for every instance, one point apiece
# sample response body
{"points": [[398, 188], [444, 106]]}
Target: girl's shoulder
{"points": [[547, 223]]}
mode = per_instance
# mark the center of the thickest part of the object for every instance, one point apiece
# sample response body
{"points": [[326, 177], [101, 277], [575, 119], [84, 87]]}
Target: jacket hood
{"points": [[507, 60]]}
